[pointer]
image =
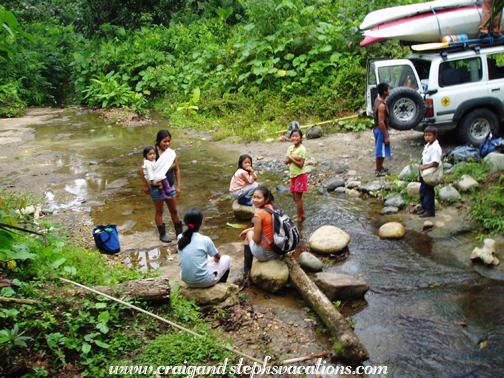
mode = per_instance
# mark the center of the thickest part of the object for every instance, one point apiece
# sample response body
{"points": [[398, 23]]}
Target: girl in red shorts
{"points": [[296, 155]]}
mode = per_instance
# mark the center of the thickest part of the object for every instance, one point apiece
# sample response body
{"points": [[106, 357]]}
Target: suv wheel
{"points": [[476, 125], [406, 107]]}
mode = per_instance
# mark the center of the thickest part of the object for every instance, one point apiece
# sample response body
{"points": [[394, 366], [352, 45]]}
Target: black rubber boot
{"points": [[225, 276], [248, 259], [162, 234], [178, 228]]}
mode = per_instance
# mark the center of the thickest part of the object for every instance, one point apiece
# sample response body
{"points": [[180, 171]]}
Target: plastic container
{"points": [[455, 38]]}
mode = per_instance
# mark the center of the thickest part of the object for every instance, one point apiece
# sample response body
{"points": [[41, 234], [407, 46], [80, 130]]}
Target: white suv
{"points": [[460, 90]]}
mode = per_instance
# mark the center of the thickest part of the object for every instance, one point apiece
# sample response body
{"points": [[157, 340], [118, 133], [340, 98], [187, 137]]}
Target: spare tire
{"points": [[407, 108]]}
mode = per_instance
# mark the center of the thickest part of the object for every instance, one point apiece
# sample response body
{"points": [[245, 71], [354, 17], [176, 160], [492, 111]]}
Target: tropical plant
{"points": [[9, 28], [189, 107]]}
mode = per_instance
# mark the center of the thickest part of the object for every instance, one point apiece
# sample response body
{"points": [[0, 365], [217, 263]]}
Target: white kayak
{"points": [[428, 27], [383, 16]]}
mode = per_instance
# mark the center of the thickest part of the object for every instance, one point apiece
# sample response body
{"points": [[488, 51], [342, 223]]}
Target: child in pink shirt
{"points": [[243, 182]]}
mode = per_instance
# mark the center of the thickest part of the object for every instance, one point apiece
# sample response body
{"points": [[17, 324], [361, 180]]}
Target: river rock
{"points": [[391, 230], [447, 165], [396, 201], [311, 161], [413, 189], [352, 172], [283, 188], [496, 160], [466, 183], [340, 287], [236, 277], [399, 184], [242, 212], [485, 254], [328, 239], [340, 190], [409, 171], [353, 184], [389, 210], [271, 276], [352, 193], [335, 184], [209, 295], [314, 132], [310, 262], [117, 183], [448, 193], [371, 187]]}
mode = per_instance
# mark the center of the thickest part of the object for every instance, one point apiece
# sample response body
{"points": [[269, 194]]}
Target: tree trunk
{"points": [[349, 345], [155, 289]]}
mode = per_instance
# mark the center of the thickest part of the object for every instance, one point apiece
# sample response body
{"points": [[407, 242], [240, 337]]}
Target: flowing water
{"points": [[426, 315]]}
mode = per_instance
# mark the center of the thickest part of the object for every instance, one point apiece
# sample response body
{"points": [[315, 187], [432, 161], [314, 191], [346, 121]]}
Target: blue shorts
{"points": [[154, 192], [382, 149]]}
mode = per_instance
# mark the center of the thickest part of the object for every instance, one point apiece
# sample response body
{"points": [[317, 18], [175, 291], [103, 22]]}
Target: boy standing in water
{"points": [[380, 131], [431, 157]]}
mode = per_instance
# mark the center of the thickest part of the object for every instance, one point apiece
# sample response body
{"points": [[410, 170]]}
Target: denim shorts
{"points": [[154, 192]]}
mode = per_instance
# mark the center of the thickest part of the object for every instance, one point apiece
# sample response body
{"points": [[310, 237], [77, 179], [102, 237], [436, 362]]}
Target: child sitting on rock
{"points": [[243, 182]]}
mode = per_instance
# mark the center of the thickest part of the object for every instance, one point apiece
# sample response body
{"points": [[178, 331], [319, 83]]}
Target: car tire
{"points": [[407, 108], [476, 125]]}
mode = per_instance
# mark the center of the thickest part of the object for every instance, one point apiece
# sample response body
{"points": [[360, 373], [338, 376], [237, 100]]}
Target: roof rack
{"points": [[443, 48]]}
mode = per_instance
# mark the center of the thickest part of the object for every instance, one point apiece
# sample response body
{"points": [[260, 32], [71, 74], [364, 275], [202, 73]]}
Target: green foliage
{"points": [[488, 206], [9, 28], [10, 103], [476, 170], [190, 107], [12, 338]]}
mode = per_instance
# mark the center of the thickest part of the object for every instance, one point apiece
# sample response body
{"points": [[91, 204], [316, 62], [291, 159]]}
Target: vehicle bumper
{"points": [[442, 127]]}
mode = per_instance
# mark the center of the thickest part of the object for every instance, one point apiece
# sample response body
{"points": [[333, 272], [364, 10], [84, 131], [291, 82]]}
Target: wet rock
{"points": [[391, 230], [496, 160], [340, 190], [371, 187], [209, 295], [335, 184], [236, 277], [282, 188], [396, 201], [409, 171], [93, 162], [466, 183], [271, 276], [448, 193], [352, 193], [485, 254], [341, 170], [353, 184], [322, 191], [427, 225], [413, 189], [389, 210], [242, 212], [314, 132], [310, 262], [340, 287], [328, 239], [117, 183]]}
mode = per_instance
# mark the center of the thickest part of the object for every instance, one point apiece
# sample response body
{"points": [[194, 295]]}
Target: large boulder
{"points": [[485, 254], [271, 276], [448, 193], [340, 287], [353, 184], [466, 183], [352, 193], [496, 160], [242, 212], [395, 201], [314, 132], [371, 187], [391, 230], [309, 262], [328, 239], [409, 171], [413, 189], [209, 295]]}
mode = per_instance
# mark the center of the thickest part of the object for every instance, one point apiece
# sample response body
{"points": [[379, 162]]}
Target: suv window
{"points": [[398, 76], [495, 66], [460, 71]]}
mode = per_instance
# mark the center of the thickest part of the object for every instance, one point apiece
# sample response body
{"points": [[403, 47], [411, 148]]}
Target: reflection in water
{"points": [[418, 297]]}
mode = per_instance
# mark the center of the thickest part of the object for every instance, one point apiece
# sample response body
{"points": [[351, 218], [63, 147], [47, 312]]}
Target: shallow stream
{"points": [[420, 298]]}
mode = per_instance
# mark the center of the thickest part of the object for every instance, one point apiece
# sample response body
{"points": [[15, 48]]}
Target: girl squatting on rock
{"points": [[243, 183]]}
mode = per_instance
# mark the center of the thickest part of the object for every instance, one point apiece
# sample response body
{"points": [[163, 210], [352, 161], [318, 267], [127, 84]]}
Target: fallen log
{"points": [[16, 300], [154, 290], [347, 344]]}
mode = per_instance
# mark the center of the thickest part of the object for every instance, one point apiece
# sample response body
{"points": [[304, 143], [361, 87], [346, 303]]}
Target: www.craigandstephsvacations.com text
{"points": [[190, 371]]}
